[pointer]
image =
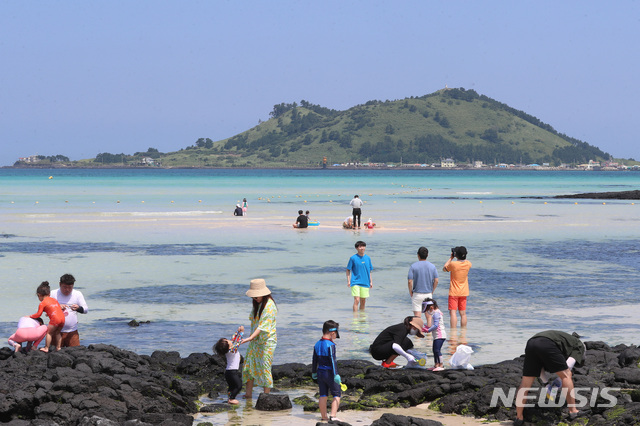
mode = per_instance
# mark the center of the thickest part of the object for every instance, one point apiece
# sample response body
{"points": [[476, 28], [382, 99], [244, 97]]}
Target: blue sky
{"points": [[82, 77]]}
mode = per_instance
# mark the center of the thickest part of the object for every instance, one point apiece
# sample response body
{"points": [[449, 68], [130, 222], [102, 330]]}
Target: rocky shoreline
{"points": [[105, 385], [618, 195]]}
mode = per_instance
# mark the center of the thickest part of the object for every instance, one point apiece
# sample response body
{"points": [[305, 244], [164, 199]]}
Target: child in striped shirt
{"points": [[430, 307]]}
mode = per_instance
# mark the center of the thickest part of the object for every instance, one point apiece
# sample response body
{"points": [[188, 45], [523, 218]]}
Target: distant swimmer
{"points": [[238, 211]]}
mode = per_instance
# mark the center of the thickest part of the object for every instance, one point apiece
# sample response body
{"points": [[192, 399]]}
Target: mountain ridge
{"points": [[450, 123]]}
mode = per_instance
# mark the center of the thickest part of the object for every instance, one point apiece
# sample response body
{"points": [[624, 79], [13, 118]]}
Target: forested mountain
{"points": [[450, 123]]}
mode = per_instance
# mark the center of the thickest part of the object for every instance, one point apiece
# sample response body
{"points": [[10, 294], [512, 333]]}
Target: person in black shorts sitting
{"points": [[302, 221]]}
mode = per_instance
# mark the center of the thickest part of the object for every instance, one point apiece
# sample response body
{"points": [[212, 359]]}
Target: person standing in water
{"points": [[356, 205], [422, 280], [459, 287], [359, 276]]}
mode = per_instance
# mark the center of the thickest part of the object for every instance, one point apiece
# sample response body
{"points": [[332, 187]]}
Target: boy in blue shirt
{"points": [[359, 276], [325, 370]]}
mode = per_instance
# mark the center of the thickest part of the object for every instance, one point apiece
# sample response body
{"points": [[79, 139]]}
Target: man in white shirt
{"points": [[356, 205], [72, 302]]}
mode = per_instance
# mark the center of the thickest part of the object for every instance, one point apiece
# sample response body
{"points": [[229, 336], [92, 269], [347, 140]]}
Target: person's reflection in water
{"points": [[458, 336], [359, 334]]}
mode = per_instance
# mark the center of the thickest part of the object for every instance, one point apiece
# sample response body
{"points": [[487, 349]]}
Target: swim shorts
{"points": [[457, 303], [359, 291], [327, 384], [71, 338], [418, 298]]}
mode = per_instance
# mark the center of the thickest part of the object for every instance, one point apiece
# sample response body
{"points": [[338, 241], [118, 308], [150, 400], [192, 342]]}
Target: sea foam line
{"points": [[187, 213]]}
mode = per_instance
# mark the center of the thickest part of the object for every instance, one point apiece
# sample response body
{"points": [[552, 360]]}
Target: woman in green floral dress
{"points": [[263, 339]]}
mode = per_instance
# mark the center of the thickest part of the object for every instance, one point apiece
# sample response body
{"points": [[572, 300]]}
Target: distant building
{"points": [[478, 164], [592, 165], [447, 163], [29, 159]]}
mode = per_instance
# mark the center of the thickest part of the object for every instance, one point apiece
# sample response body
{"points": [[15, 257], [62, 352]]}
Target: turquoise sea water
{"points": [[163, 246]]}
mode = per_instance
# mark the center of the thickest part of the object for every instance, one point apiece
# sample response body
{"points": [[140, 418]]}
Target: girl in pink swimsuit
{"points": [[29, 330]]}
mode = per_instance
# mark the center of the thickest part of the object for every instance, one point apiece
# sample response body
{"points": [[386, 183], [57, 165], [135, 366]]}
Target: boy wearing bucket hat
{"points": [[325, 370]]}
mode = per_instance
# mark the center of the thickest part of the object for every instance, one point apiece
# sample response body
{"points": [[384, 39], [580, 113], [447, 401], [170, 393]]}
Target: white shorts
{"points": [[417, 299]]}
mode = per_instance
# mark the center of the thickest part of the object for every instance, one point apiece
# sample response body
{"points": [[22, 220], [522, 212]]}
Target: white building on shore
{"points": [[447, 163]]}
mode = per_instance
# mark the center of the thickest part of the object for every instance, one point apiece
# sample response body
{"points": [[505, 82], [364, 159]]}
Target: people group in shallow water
{"points": [[392, 342], [546, 353]]}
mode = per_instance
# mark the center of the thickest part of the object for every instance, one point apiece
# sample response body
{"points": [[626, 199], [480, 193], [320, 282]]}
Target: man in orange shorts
{"points": [[459, 286]]}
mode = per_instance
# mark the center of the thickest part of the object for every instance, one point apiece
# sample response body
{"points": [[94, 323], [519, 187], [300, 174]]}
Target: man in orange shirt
{"points": [[459, 287]]}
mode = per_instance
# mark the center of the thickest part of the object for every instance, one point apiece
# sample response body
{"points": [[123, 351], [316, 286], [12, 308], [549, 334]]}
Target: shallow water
{"points": [[163, 246]]}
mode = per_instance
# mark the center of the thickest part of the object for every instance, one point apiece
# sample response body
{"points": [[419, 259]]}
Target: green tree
{"points": [[108, 158], [491, 135], [280, 109], [345, 141], [307, 140]]}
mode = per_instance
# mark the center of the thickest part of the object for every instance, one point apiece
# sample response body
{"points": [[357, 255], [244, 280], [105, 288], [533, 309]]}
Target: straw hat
{"points": [[258, 288], [417, 323]]}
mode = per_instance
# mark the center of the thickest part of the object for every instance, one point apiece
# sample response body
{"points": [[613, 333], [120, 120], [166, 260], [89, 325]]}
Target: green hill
{"points": [[450, 123]]}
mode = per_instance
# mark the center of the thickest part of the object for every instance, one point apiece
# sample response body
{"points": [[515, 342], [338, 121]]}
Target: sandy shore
{"points": [[248, 416]]}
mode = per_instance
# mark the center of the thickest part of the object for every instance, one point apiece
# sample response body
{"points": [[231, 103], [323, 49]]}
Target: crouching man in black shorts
{"points": [[550, 352]]}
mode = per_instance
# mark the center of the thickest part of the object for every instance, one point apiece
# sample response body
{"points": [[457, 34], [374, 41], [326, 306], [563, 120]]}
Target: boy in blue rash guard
{"points": [[325, 370], [359, 276]]}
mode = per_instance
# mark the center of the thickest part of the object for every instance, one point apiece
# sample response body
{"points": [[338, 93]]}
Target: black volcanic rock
{"points": [[273, 402], [396, 420], [618, 195], [105, 385], [470, 392], [96, 385]]}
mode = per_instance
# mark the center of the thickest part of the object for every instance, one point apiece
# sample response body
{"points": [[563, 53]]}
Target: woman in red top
{"points": [[52, 308]]}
